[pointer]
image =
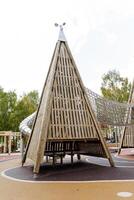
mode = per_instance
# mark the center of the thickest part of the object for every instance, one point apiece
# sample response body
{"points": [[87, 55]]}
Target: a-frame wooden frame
{"points": [[64, 112]]}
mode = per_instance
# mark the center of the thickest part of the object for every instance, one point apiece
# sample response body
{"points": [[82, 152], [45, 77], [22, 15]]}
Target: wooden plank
{"points": [[74, 124], [86, 120], [80, 114], [34, 138], [66, 95], [73, 95], [44, 111], [58, 119], [70, 96], [63, 102]]}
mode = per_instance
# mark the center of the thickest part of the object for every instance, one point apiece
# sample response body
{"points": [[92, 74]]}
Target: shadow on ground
{"points": [[79, 171]]}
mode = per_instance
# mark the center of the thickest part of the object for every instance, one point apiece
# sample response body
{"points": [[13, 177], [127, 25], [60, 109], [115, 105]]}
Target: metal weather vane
{"points": [[60, 25], [61, 33]]}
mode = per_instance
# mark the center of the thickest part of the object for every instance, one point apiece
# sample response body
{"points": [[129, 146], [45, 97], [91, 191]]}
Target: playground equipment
{"points": [[68, 117], [65, 122], [111, 112]]}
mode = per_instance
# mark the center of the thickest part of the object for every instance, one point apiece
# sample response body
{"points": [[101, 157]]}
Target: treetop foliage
{"points": [[14, 110], [115, 87]]}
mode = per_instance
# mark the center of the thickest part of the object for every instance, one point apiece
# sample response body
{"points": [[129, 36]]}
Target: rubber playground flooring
{"points": [[72, 187]]}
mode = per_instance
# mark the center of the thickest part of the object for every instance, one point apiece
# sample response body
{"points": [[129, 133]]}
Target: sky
{"points": [[100, 34]]}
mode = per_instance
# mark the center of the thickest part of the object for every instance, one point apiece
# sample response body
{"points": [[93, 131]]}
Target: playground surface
{"points": [[81, 181]]}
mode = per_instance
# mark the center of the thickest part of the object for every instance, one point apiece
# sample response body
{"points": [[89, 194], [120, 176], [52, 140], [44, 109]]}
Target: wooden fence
{"points": [[9, 141]]}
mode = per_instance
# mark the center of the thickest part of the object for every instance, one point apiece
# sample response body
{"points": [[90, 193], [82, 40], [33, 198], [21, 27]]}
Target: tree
{"points": [[25, 106], [7, 106], [115, 87], [14, 110]]}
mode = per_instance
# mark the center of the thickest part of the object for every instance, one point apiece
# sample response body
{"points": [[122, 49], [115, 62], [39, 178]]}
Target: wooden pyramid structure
{"points": [[65, 122], [127, 139]]}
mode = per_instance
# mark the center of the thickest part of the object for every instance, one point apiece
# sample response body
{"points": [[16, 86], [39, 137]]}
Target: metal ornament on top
{"points": [[61, 33]]}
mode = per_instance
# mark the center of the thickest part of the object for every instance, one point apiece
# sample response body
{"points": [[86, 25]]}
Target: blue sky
{"points": [[100, 35]]}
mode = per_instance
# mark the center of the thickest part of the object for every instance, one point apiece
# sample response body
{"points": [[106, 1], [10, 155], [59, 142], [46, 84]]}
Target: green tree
{"points": [[7, 106], [115, 87], [26, 105], [13, 110]]}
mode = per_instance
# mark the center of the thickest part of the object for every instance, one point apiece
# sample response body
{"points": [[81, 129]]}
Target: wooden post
{"points": [[5, 143], [9, 143], [61, 160], [22, 147], [71, 145], [78, 156]]}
